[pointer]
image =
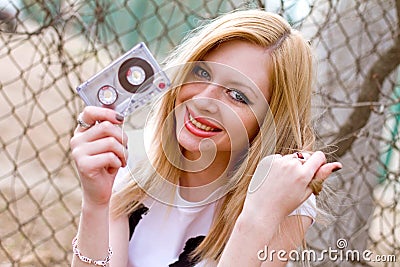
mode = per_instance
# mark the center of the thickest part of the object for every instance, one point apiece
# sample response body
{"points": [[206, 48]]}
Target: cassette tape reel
{"points": [[127, 84]]}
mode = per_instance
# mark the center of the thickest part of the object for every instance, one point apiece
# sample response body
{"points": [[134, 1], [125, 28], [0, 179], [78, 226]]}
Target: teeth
{"points": [[200, 125]]}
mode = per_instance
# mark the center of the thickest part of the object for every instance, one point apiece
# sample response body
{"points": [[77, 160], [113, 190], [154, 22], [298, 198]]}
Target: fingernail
{"points": [[119, 117], [336, 169]]}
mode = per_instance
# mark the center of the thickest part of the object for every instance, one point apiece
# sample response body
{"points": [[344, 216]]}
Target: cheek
{"points": [[180, 96], [178, 99], [253, 119], [252, 127], [242, 128], [186, 92], [257, 118]]}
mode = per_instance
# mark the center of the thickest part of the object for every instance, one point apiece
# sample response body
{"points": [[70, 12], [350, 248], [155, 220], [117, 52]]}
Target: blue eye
{"points": [[238, 96], [201, 73]]}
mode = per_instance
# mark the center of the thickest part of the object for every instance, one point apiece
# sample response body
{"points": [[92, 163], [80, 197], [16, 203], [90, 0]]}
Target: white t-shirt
{"points": [[164, 235]]}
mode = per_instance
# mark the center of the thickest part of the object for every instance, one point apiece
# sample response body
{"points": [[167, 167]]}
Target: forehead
{"points": [[252, 61]]}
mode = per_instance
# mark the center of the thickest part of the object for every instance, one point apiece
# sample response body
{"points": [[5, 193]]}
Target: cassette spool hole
{"points": [[107, 95], [135, 75]]}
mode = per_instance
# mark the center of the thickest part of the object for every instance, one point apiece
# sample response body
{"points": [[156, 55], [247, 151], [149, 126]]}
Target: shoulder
{"points": [[308, 208]]}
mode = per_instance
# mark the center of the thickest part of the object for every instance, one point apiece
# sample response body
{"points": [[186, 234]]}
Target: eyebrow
{"points": [[234, 82]]}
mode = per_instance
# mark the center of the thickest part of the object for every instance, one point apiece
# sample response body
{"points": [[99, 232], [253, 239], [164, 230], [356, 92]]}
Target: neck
{"points": [[198, 185], [202, 172]]}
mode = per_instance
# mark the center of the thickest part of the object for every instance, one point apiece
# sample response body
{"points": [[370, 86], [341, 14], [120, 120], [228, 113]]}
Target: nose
{"points": [[208, 98]]}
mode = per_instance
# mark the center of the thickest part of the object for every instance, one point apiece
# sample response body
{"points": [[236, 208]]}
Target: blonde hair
{"points": [[290, 106]]}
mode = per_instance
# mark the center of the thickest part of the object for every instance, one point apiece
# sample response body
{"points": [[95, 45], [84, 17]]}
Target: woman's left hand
{"points": [[281, 183]]}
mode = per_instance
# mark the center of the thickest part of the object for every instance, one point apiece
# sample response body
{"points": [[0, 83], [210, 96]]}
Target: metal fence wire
{"points": [[47, 48]]}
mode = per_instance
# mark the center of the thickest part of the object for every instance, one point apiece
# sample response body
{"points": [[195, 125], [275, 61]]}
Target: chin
{"points": [[189, 143]]}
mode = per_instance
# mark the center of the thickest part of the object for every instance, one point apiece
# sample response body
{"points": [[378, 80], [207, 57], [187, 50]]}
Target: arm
{"points": [[99, 153], [93, 243], [91, 240], [278, 186], [119, 240], [288, 237], [246, 240]]}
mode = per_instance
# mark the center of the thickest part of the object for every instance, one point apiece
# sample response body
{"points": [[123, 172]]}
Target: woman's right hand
{"points": [[99, 152]]}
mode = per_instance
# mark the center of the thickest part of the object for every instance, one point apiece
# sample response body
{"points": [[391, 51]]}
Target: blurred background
{"points": [[47, 48]]}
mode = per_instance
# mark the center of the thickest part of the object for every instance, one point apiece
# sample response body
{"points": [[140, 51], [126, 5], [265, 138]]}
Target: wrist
{"points": [[90, 209], [252, 214], [258, 223], [89, 204]]}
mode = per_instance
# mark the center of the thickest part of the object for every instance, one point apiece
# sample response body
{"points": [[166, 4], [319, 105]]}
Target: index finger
{"points": [[316, 160], [93, 114]]}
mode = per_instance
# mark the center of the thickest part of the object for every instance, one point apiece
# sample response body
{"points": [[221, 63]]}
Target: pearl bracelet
{"points": [[87, 259]]}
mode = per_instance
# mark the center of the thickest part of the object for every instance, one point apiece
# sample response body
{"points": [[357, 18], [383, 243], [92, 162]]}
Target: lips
{"points": [[200, 126]]}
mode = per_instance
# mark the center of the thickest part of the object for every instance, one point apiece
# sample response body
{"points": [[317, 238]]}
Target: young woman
{"points": [[227, 174]]}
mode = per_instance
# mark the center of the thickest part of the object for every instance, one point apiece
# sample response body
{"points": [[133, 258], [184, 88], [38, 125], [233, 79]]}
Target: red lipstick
{"points": [[190, 124]]}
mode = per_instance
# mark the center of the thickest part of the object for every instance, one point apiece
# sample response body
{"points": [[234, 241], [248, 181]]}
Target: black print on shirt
{"points": [[184, 260], [135, 217]]}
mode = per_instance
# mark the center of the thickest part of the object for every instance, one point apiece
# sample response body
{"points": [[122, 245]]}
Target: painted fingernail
{"points": [[119, 117], [336, 169]]}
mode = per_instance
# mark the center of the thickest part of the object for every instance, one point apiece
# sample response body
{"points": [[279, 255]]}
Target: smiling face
{"points": [[225, 97]]}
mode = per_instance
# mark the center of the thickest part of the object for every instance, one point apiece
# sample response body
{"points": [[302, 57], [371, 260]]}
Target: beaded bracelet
{"points": [[87, 259]]}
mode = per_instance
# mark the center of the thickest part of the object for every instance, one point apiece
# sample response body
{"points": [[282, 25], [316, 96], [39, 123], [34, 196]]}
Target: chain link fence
{"points": [[47, 48]]}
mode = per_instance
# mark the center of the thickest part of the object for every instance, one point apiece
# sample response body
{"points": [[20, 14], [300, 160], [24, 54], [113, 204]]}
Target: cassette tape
{"points": [[127, 84]]}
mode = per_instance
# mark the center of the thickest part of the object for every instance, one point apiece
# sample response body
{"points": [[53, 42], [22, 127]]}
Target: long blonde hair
{"points": [[290, 106]]}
